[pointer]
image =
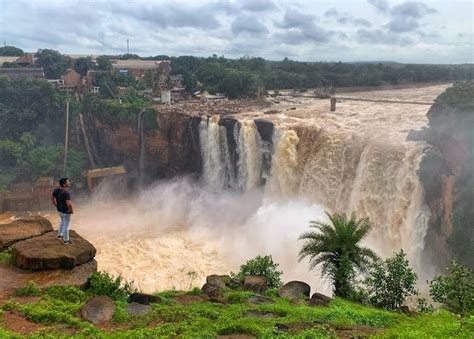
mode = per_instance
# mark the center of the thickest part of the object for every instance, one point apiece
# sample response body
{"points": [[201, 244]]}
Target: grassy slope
{"points": [[58, 308]]}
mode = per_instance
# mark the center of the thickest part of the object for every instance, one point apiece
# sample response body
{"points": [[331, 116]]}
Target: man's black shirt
{"points": [[61, 197]]}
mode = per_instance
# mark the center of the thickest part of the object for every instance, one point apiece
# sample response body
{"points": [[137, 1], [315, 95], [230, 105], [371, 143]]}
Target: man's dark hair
{"points": [[62, 181]]}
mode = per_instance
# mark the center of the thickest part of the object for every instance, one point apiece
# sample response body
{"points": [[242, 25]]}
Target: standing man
{"points": [[62, 200]]}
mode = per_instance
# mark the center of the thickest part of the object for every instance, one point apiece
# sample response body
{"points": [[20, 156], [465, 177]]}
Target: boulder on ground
{"points": [[213, 291], [22, 229], [143, 298], [295, 290], [220, 281], [47, 252], [318, 299], [98, 309], [137, 309], [255, 283]]}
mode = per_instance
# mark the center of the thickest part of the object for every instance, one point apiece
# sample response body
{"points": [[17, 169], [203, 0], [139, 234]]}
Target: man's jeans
{"points": [[64, 225]]}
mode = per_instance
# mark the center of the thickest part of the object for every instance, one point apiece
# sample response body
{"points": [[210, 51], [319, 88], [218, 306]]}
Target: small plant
{"points": [[101, 283], [261, 265], [391, 282], [66, 293], [423, 306], [6, 256], [30, 289], [455, 290]]}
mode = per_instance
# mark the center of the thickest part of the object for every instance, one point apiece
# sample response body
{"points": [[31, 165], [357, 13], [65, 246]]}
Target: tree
{"points": [[103, 63], [391, 282], [11, 51], [261, 266], [335, 247], [54, 63], [455, 290], [82, 65]]}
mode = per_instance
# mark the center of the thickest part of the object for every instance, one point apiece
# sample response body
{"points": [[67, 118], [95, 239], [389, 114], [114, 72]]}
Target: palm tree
{"points": [[336, 249]]}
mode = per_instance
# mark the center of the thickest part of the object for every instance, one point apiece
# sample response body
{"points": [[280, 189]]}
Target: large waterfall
{"points": [[341, 171]]}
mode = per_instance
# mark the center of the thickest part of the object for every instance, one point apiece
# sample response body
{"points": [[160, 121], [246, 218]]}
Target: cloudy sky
{"points": [[308, 30]]}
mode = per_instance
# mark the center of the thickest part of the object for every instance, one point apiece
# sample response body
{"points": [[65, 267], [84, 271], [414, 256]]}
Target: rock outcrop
{"points": [[47, 252], [220, 281], [143, 298], [22, 229], [446, 174], [12, 277]]}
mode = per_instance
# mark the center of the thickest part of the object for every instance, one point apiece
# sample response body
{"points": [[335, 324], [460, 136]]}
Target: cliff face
{"points": [[446, 173], [170, 149]]}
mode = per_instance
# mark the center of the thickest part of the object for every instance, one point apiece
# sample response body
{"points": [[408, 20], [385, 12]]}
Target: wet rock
{"points": [[318, 299], [260, 300], [98, 309], [47, 252], [265, 129], [137, 309], [294, 290], [143, 298], [220, 281], [255, 283], [22, 229]]}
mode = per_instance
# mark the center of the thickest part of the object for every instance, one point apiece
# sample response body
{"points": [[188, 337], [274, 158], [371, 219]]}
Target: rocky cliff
{"points": [[447, 175]]}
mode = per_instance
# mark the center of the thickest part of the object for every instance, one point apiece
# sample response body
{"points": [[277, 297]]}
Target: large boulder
{"points": [[255, 283], [260, 300], [294, 290], [220, 281], [138, 309], [143, 298], [22, 229], [47, 252], [318, 299], [98, 309]]}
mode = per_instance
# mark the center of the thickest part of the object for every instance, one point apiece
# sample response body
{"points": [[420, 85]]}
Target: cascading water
{"points": [[340, 171]]}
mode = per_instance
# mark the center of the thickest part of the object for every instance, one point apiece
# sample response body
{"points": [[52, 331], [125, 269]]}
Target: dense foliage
{"points": [[391, 281], [261, 265], [335, 248], [455, 290], [239, 77], [32, 121], [102, 283], [11, 51], [54, 63]]}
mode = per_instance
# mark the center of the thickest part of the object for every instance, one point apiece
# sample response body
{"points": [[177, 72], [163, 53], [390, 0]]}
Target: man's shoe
{"points": [[59, 237], [69, 242]]}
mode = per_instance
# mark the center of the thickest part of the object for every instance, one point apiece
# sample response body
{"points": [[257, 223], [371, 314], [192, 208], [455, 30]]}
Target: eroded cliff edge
{"points": [[447, 174]]}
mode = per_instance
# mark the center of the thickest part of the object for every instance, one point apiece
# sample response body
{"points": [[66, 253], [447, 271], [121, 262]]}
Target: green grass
{"points": [[6, 256], [58, 307]]}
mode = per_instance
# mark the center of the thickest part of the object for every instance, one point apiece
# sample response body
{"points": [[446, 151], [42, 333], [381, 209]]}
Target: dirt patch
{"points": [[26, 299], [14, 322]]}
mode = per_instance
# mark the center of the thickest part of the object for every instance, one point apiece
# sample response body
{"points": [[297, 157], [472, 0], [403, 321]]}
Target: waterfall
{"points": [[141, 141], [284, 177], [250, 155]]}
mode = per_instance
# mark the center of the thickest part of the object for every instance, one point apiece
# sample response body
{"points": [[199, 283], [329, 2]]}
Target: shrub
{"points": [[101, 283], [455, 290], [6, 256], [261, 266], [66, 293], [391, 281], [31, 289]]}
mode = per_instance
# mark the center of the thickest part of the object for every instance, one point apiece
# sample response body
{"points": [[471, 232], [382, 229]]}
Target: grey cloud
{"points": [[344, 18], [378, 36], [258, 5], [295, 19], [249, 24], [301, 28], [380, 5], [406, 17]]}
